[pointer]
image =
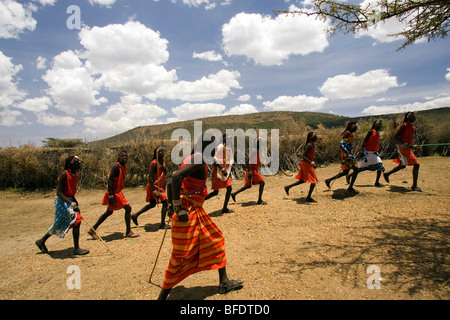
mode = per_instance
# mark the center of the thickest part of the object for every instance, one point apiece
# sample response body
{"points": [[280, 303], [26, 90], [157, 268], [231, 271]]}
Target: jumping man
{"points": [[405, 139], [198, 244], [156, 187], [348, 161], [66, 207], [307, 171], [114, 198], [220, 178], [371, 160]]}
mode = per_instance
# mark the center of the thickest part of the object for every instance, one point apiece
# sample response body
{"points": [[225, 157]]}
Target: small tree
{"points": [[61, 143], [422, 18]]}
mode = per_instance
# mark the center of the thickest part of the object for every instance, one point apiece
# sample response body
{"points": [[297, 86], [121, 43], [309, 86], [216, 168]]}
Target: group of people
{"points": [[371, 159], [198, 244]]}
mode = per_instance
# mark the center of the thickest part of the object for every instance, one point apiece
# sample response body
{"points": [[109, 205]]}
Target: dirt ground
{"points": [[284, 250]]}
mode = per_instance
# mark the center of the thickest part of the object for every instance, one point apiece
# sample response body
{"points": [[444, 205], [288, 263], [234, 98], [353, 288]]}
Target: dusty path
{"points": [[284, 250]]}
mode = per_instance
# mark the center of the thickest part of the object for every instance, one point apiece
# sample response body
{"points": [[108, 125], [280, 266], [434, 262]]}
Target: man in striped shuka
{"points": [[198, 244]]}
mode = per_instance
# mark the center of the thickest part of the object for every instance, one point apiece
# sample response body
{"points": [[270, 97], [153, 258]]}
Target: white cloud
{"points": [[349, 86], [41, 63], [53, 120], [196, 3], [190, 111], [9, 118], [447, 76], [270, 41], [129, 113], [35, 104], [244, 97], [70, 84], [215, 86], [208, 55], [401, 108], [106, 3], [9, 93], [297, 103], [119, 45], [244, 108], [15, 19], [129, 59], [46, 2]]}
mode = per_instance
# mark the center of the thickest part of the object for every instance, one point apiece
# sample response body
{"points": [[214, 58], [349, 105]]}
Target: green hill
{"points": [[262, 120]]}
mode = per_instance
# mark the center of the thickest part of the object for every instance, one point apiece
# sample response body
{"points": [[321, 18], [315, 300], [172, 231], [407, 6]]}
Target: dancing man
{"points": [[371, 160], [198, 244], [348, 161], [307, 171], [405, 139], [156, 187], [252, 175], [114, 198], [220, 178], [67, 212]]}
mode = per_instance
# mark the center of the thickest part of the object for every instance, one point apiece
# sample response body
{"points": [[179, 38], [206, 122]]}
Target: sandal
{"points": [[231, 286]]}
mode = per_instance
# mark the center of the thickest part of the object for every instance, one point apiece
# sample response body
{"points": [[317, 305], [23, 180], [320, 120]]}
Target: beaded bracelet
{"points": [[177, 205]]}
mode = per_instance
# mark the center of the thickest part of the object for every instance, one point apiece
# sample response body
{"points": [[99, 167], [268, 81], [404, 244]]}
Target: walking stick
{"points": [[157, 256], [95, 233], [335, 179]]}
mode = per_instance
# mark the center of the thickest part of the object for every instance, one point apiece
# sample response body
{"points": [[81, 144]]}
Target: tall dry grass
{"points": [[30, 168]]}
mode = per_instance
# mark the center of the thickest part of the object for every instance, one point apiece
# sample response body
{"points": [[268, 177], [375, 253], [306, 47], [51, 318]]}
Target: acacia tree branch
{"points": [[422, 18]]}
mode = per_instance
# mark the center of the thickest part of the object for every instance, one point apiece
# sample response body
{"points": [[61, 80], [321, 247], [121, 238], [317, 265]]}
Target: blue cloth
{"points": [[65, 216]]}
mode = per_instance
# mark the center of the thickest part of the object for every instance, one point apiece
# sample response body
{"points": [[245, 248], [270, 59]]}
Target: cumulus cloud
{"points": [[447, 76], [52, 120], [9, 92], [70, 84], [244, 108], [190, 111], [244, 97], [118, 45], [349, 86], [214, 86], [10, 118], [129, 59], [129, 113], [209, 4], [15, 19], [208, 55], [270, 41], [106, 3], [46, 2], [401, 108], [35, 104], [297, 103], [41, 63]]}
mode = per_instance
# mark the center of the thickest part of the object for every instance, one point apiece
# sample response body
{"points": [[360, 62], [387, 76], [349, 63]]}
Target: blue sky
{"points": [[135, 63]]}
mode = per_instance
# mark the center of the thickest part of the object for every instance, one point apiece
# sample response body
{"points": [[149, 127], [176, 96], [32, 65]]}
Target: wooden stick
{"points": [[96, 233], [157, 256]]}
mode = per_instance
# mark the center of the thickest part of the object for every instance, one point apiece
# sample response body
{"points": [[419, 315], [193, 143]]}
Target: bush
{"points": [[32, 168]]}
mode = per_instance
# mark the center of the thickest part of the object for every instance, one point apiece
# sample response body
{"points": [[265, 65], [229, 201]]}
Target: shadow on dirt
{"points": [[413, 254]]}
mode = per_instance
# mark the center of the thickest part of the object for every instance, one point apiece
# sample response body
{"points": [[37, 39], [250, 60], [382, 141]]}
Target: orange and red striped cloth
{"points": [[198, 244]]}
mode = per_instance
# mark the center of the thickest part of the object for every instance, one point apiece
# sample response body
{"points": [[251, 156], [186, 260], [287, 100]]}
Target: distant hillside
{"points": [[262, 120]]}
